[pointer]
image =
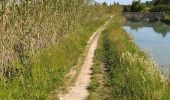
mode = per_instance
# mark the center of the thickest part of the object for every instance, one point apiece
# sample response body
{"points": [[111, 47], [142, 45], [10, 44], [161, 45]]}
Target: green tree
{"points": [[137, 6], [127, 8], [104, 4]]}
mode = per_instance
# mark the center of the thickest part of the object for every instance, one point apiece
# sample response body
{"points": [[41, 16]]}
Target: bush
{"points": [[127, 9], [161, 8], [137, 6]]}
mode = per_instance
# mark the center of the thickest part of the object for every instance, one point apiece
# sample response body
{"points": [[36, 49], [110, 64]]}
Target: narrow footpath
{"points": [[80, 90]]}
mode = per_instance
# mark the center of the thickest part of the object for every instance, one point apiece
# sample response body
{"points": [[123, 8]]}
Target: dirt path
{"points": [[79, 91]]}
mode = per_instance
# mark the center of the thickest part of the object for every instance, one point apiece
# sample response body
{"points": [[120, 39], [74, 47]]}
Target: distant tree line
{"points": [[148, 6], [137, 6], [156, 2], [161, 6]]}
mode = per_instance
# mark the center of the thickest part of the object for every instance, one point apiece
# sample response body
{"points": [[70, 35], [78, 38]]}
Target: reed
{"points": [[40, 40], [32, 25]]}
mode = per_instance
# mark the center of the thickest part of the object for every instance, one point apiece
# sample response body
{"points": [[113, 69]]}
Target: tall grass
{"points": [[40, 41], [31, 25], [130, 74], [49, 66]]}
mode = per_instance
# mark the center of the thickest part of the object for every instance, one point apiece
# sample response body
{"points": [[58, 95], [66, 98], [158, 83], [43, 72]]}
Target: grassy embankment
{"points": [[50, 65], [130, 74]]}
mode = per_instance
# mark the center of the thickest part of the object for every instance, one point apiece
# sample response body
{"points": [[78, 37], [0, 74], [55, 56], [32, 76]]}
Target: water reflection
{"points": [[153, 37], [159, 27]]}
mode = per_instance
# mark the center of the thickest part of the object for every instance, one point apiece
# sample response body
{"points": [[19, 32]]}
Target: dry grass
{"points": [[40, 41], [27, 26]]}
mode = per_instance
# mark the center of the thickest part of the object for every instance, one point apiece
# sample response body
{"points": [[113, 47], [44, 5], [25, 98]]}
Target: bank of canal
{"points": [[154, 38]]}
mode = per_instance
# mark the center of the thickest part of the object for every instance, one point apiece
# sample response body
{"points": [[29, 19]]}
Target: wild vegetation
{"points": [[27, 26], [150, 6], [137, 6], [157, 2], [40, 41], [122, 71], [161, 8]]}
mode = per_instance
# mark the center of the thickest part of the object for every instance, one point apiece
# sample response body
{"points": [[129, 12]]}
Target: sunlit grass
{"points": [[40, 41], [131, 73], [50, 65]]}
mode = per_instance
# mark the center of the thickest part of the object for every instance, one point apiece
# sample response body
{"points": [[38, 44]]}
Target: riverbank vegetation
{"points": [[40, 41], [122, 71], [137, 6], [148, 6], [161, 8]]}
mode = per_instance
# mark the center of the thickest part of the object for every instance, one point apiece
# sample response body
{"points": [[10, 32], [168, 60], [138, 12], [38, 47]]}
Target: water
{"points": [[153, 38]]}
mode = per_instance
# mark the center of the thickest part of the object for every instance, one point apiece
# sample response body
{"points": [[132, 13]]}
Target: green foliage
{"points": [[104, 4], [28, 26], [96, 90], [137, 6], [127, 8], [131, 73], [149, 3], [49, 66], [161, 8], [166, 2], [40, 41]]}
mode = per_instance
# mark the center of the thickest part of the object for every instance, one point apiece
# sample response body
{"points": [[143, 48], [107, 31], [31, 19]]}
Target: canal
{"points": [[154, 38]]}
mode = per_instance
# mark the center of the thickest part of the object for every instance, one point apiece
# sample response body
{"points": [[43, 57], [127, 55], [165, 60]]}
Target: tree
{"points": [[137, 6], [104, 4], [127, 8], [156, 2]]}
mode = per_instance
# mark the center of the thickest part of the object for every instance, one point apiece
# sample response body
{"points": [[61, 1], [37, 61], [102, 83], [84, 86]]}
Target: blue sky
{"points": [[120, 1]]}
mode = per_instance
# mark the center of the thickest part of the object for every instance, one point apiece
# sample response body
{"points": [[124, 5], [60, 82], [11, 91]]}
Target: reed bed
{"points": [[40, 40], [32, 25]]}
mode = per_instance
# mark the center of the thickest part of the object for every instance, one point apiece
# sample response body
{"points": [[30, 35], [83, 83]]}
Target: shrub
{"points": [[137, 6], [127, 9], [161, 8]]}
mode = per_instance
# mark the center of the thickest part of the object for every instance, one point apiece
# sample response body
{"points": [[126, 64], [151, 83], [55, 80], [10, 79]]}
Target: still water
{"points": [[153, 38]]}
